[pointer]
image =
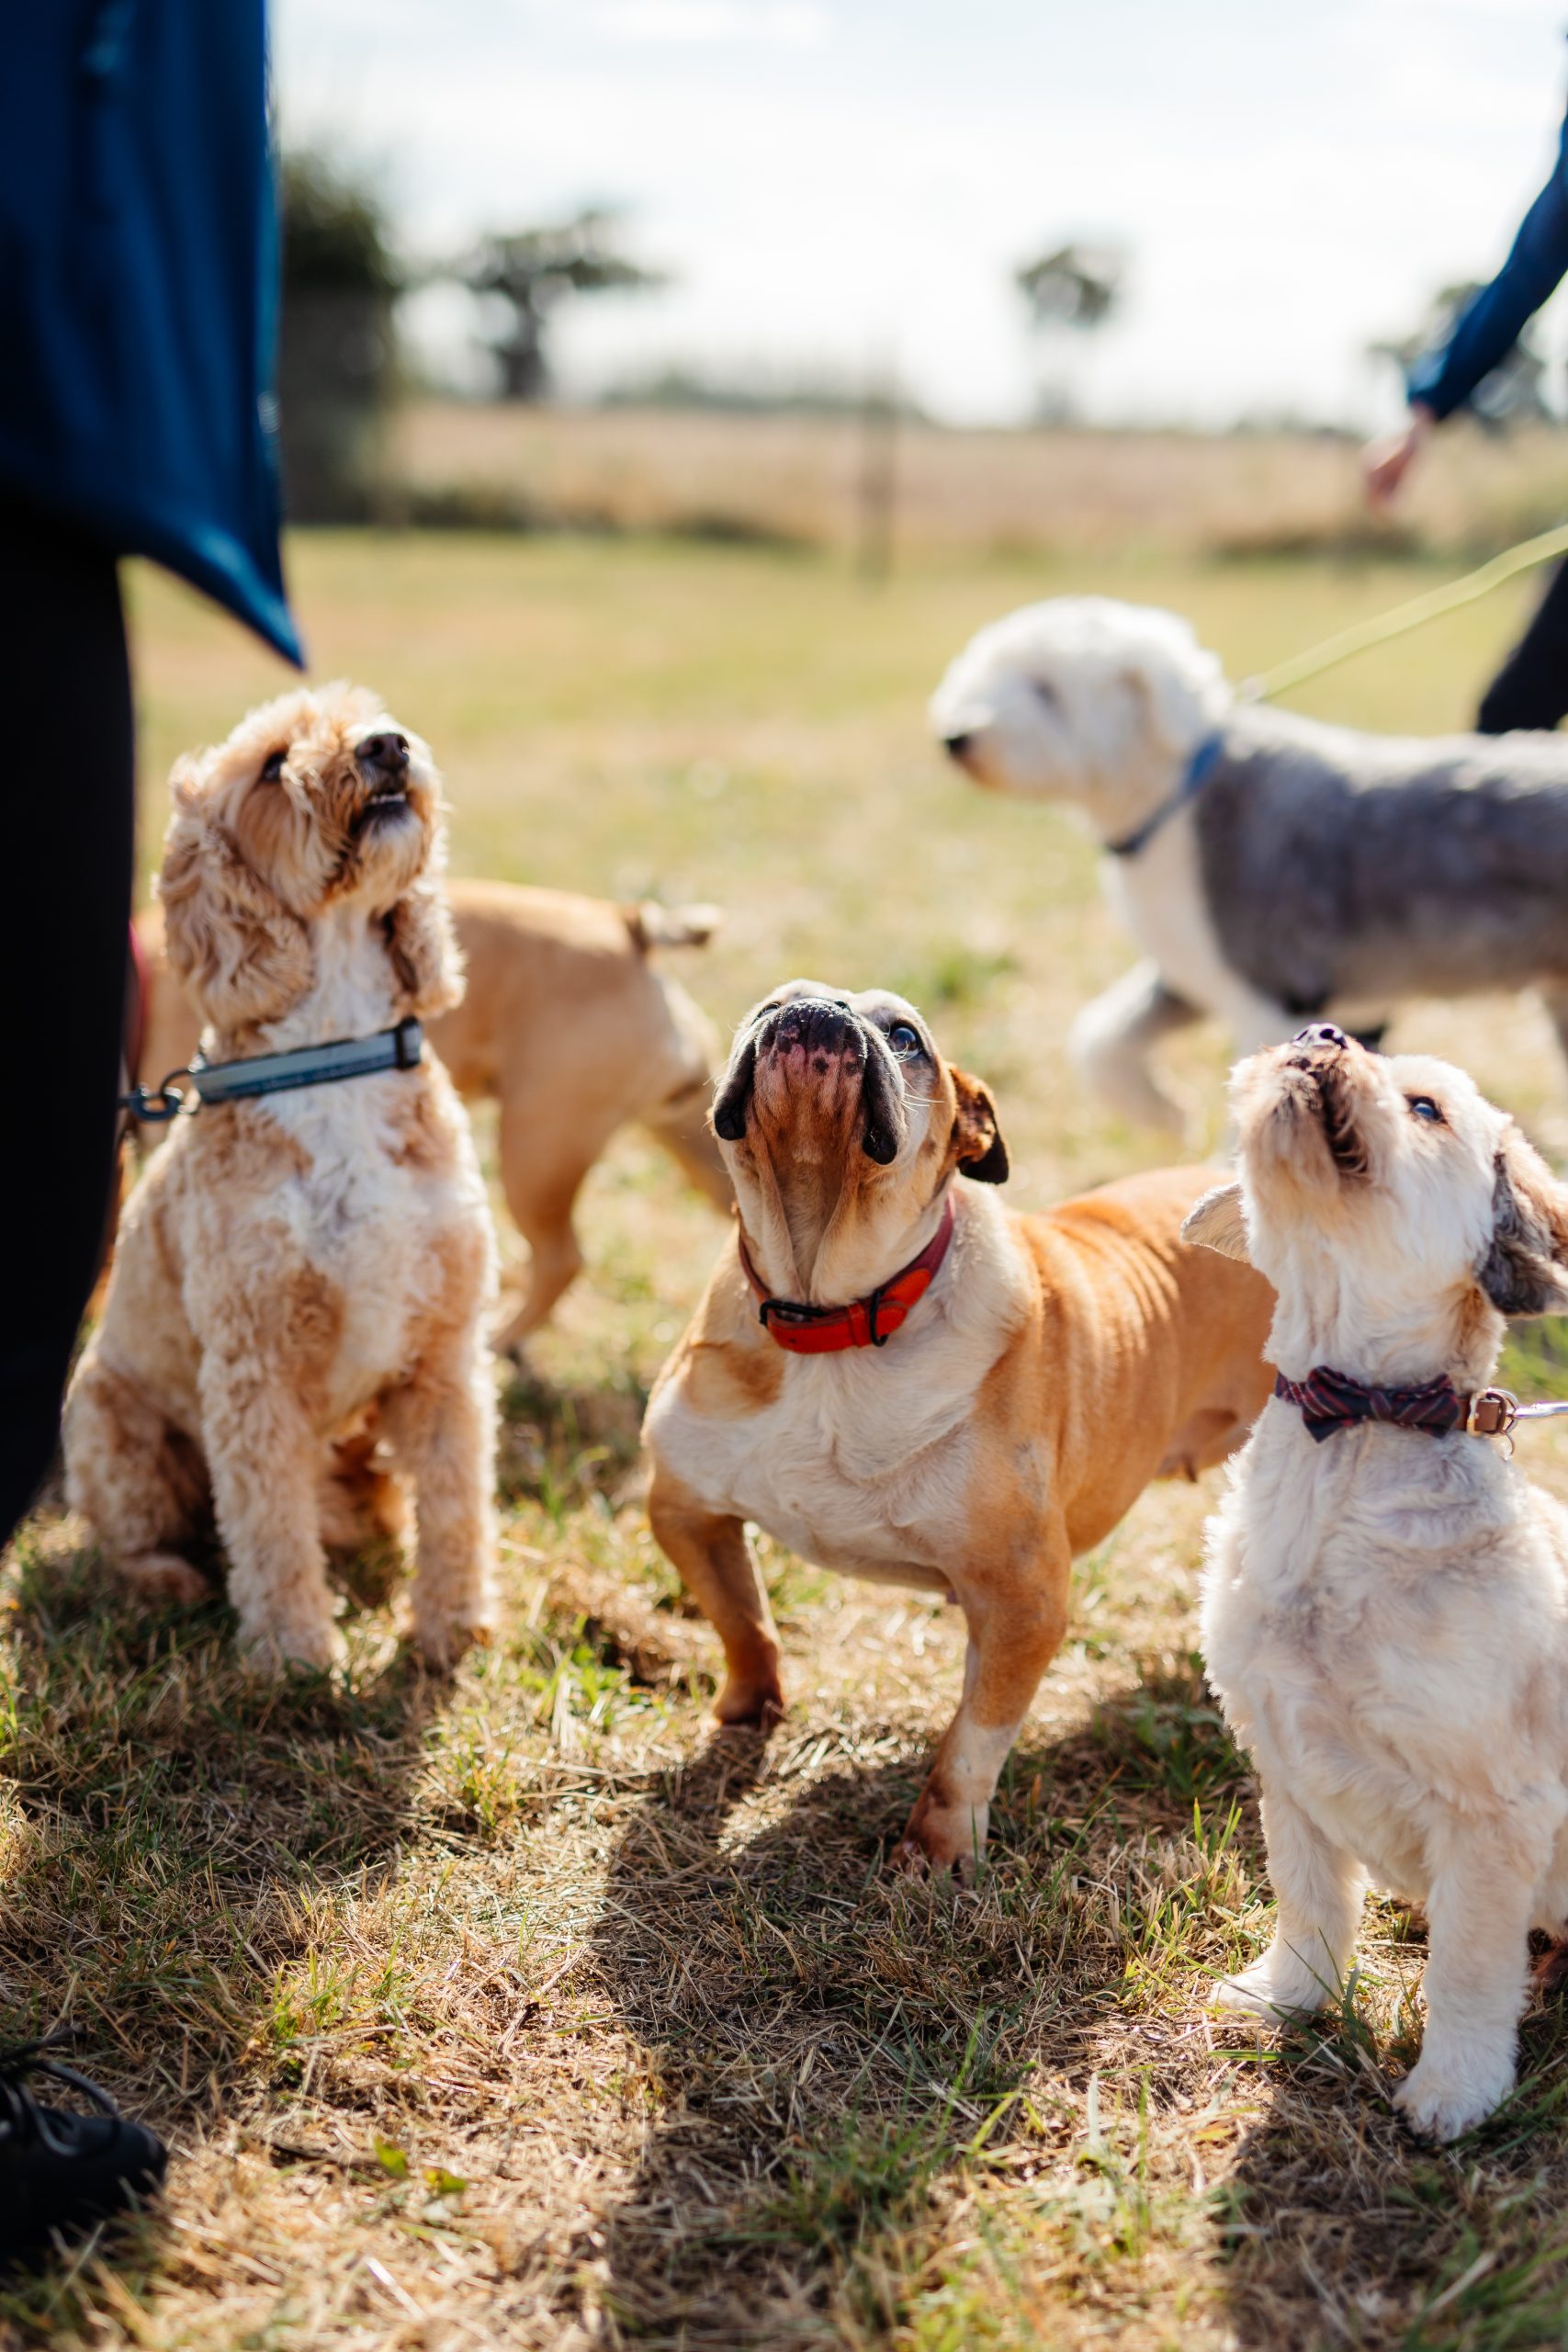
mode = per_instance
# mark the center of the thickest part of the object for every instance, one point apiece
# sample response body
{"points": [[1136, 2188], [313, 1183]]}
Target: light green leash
{"points": [[1420, 610]]}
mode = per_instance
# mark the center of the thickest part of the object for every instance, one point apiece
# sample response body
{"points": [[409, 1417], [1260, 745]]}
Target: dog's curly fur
{"points": [[1385, 1613], [292, 1265]]}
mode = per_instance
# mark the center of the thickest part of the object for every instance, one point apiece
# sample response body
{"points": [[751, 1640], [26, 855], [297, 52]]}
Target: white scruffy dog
{"points": [[1099, 704], [1385, 1605], [1271, 868]]}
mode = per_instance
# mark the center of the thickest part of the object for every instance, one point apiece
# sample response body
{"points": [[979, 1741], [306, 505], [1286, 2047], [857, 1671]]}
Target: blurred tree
{"points": [[522, 276], [337, 347], [1514, 393], [1070, 292]]}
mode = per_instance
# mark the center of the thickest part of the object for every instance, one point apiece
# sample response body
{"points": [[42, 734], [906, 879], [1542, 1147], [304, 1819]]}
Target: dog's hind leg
{"points": [[442, 1426], [709, 1551], [541, 1173], [137, 1478], [1112, 1040], [1319, 1889], [682, 1127]]}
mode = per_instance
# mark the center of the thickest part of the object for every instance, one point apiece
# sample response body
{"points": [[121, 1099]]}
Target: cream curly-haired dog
{"points": [[288, 1262], [1385, 1606]]}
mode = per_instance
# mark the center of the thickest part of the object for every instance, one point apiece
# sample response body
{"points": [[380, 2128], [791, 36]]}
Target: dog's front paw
{"points": [[1265, 1990], [311, 1641], [1441, 2097], [755, 1705], [908, 1858], [165, 1580], [942, 1837], [442, 1641]]}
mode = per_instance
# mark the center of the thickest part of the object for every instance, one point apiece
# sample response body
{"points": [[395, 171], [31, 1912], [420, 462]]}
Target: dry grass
{"points": [[530, 2011], [982, 495]]}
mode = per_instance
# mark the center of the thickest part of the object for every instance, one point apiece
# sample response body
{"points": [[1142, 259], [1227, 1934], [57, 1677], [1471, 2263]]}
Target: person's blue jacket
{"points": [[1487, 328], [138, 287]]}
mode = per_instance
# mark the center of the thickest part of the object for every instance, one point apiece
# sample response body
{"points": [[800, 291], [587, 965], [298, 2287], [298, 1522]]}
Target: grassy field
{"points": [[528, 2010]]}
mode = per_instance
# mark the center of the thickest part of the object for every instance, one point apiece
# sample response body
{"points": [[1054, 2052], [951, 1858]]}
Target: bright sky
{"points": [[835, 180]]}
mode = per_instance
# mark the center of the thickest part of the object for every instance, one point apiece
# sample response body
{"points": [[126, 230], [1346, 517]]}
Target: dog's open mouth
{"points": [[1328, 1093], [389, 799]]}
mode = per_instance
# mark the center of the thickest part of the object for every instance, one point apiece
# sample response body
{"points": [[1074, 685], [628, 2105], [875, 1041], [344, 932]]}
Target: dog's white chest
{"points": [[1159, 897], [1386, 1630], [850, 1467], [369, 1220]]}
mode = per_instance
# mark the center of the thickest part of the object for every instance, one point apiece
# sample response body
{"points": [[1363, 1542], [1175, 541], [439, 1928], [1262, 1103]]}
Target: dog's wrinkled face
{"points": [[1063, 699], [1384, 1195], [841, 1123], [317, 801]]}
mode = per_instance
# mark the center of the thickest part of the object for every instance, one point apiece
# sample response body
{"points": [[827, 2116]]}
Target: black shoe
{"points": [[60, 2170]]}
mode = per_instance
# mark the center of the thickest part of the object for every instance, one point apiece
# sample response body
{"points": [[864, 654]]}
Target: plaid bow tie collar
{"points": [[1328, 1401]]}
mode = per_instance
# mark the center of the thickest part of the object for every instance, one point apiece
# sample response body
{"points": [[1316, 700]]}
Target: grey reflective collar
{"points": [[1199, 769], [399, 1048]]}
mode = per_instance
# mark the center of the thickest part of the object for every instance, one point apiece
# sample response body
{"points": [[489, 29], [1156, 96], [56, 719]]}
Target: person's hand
{"points": [[1385, 463]]}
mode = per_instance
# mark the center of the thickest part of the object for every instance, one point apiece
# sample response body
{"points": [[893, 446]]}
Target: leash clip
{"points": [[1493, 1412], [156, 1105]]}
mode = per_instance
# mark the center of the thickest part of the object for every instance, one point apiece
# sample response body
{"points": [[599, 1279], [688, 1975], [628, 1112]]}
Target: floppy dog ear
{"points": [[1216, 1223], [1525, 1271], [977, 1139], [423, 947], [1170, 685], [734, 1096], [240, 953]]}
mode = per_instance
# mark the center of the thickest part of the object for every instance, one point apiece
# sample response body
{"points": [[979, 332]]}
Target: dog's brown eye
{"points": [[1423, 1107], [904, 1040], [272, 767]]}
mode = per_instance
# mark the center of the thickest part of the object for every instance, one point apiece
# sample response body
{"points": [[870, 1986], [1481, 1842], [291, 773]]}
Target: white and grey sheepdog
{"points": [[1271, 868]]}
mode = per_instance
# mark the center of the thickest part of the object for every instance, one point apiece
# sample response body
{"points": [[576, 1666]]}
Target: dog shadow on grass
{"points": [[839, 2051], [170, 1821], [886, 2109]]}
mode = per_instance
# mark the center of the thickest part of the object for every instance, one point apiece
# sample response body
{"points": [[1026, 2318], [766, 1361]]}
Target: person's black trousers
{"points": [[68, 759], [1532, 687]]}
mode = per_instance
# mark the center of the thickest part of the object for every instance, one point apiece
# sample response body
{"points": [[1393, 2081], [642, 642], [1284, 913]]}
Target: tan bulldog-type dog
{"points": [[900, 1378]]}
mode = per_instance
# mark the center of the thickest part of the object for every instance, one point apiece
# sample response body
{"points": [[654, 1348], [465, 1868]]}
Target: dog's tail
{"points": [[652, 925]]}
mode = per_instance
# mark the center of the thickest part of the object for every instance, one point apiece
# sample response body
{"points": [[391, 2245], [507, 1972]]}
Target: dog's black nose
{"points": [[383, 754], [955, 746], [1320, 1032], [812, 1022]]}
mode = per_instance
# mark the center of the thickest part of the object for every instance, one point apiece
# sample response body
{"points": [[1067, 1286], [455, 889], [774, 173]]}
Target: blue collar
{"points": [[1195, 775], [399, 1048]]}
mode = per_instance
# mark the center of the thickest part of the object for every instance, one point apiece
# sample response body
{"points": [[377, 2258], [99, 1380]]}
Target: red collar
{"points": [[864, 1322]]}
